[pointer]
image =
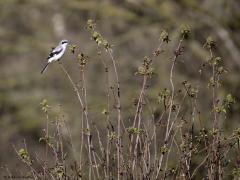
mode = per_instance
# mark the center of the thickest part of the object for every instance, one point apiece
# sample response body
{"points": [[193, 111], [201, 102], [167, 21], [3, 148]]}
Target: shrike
{"points": [[56, 53]]}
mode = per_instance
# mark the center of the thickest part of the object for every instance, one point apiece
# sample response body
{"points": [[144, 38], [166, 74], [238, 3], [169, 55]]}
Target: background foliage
{"points": [[29, 28]]}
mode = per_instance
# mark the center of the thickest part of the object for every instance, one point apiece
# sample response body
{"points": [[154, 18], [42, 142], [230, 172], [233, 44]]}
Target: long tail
{"points": [[45, 67]]}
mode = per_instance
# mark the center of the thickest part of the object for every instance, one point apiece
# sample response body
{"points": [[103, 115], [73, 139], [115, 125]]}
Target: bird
{"points": [[56, 53]]}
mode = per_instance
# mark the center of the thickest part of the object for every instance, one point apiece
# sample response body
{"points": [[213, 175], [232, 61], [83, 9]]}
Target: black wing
{"points": [[54, 52]]}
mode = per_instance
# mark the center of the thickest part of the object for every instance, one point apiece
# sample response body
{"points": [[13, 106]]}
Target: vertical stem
{"points": [[84, 112], [214, 93], [216, 169], [46, 148], [108, 120], [84, 88], [167, 133], [138, 114], [81, 146], [119, 113]]}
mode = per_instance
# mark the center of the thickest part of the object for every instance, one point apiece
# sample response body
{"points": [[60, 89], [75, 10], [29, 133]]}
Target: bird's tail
{"points": [[45, 67]]}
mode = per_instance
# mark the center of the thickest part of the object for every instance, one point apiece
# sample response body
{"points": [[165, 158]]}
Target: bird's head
{"points": [[64, 42]]}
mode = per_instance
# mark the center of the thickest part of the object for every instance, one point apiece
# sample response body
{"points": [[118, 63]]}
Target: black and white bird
{"points": [[56, 53]]}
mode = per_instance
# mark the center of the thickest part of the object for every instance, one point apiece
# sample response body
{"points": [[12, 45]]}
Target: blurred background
{"points": [[30, 28]]}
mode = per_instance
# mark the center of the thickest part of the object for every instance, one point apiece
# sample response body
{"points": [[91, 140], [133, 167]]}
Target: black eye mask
{"points": [[64, 42]]}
